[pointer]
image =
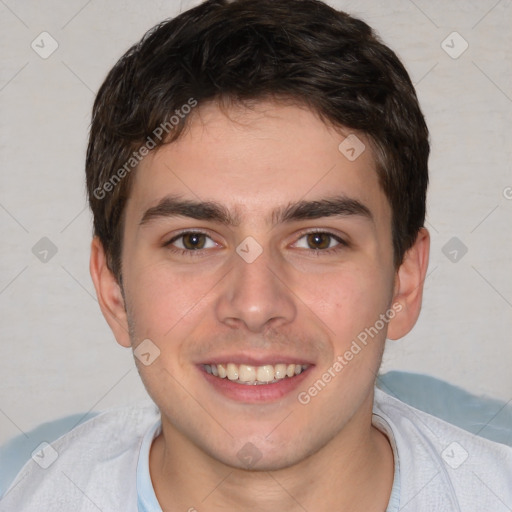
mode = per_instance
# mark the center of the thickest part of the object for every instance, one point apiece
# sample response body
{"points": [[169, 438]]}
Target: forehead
{"points": [[254, 160]]}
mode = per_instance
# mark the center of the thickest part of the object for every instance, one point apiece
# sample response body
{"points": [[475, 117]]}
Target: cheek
{"points": [[349, 293], [163, 300], [347, 301]]}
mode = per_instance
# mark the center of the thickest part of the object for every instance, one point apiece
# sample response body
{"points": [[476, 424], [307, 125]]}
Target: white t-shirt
{"points": [[102, 465]]}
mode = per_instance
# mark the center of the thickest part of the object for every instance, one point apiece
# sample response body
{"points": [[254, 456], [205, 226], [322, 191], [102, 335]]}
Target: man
{"points": [[257, 172]]}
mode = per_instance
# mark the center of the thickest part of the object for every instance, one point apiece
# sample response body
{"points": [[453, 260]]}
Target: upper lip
{"points": [[256, 359]]}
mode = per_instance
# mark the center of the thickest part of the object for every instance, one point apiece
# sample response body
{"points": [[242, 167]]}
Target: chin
{"points": [[254, 453]]}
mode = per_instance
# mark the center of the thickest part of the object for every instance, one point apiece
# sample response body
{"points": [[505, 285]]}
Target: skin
{"points": [[294, 299]]}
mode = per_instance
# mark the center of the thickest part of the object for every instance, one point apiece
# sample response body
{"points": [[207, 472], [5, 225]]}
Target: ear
{"points": [[408, 291], [109, 294]]}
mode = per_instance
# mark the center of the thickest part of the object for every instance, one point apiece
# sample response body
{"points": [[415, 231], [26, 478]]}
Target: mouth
{"points": [[255, 375], [251, 383]]}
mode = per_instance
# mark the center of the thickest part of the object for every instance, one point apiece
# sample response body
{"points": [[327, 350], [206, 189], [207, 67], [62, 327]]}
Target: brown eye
{"points": [[190, 241], [319, 240], [193, 241]]}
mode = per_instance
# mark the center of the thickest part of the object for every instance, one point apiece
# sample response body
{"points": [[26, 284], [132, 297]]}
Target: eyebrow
{"points": [[339, 206], [173, 206]]}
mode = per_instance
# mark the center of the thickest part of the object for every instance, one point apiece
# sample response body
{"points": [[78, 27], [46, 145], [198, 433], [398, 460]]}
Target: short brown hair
{"points": [[247, 50]]}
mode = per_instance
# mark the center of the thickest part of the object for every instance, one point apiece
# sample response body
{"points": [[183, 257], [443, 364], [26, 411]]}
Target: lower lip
{"points": [[255, 393]]}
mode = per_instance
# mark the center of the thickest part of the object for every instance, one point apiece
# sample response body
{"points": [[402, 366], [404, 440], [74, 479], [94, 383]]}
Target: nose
{"points": [[255, 295]]}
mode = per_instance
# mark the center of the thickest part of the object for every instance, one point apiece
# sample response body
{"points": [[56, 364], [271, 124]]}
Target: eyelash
{"points": [[342, 244]]}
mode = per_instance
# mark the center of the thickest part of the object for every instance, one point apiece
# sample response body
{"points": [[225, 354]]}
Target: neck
{"points": [[353, 471]]}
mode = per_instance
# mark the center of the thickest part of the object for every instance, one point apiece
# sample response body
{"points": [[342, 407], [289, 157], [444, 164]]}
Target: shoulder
{"points": [[439, 461], [95, 463]]}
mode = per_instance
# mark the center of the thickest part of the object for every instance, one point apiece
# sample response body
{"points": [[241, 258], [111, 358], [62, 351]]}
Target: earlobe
{"points": [[108, 291], [409, 282]]}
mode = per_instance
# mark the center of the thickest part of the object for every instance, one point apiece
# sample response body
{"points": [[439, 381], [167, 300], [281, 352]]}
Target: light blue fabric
{"points": [[483, 416], [146, 499], [394, 499], [18, 450], [480, 415]]}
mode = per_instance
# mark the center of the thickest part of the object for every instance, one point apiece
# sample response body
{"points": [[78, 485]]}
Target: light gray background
{"points": [[58, 356]]}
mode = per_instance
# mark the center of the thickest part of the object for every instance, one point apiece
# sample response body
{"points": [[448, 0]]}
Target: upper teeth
{"points": [[247, 374]]}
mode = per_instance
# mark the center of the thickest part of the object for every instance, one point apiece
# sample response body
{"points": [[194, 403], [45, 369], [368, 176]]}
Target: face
{"points": [[254, 247]]}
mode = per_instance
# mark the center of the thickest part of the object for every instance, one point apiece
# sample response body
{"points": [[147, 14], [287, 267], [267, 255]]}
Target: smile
{"points": [[254, 375]]}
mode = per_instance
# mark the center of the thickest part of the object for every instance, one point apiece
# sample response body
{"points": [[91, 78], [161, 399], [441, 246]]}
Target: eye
{"points": [[319, 241], [192, 241]]}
